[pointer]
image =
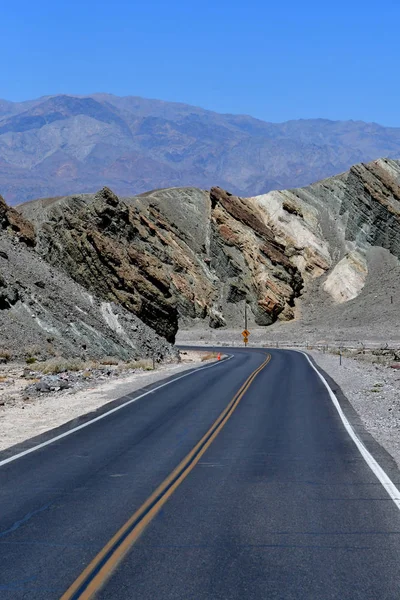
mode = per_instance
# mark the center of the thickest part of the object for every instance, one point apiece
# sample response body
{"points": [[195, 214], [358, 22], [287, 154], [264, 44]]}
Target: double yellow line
{"points": [[102, 566]]}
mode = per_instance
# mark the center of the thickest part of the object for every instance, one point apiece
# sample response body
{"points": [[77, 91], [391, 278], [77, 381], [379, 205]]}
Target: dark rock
{"points": [[13, 220], [42, 386], [216, 321], [63, 384], [108, 196]]}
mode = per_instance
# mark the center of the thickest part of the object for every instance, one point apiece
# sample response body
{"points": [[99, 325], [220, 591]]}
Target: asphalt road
{"points": [[276, 502]]}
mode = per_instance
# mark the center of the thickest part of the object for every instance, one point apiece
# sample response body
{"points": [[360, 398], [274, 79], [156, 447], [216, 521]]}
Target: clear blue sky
{"points": [[274, 60]]}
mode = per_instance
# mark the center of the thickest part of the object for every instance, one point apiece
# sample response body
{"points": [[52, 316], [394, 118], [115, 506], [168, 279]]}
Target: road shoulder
{"points": [[25, 426], [368, 412]]}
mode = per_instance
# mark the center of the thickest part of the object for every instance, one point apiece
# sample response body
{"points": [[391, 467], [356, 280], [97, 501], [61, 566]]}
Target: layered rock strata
{"points": [[186, 256]]}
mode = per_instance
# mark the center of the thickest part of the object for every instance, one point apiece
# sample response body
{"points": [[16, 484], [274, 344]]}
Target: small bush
{"points": [[109, 360], [60, 365], [30, 360], [209, 356], [5, 354]]}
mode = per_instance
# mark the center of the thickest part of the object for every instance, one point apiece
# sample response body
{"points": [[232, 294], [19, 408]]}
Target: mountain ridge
{"points": [[64, 144], [185, 257]]}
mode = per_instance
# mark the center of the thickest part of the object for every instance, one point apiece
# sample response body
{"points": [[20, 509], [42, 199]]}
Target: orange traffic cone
{"points": [[219, 355]]}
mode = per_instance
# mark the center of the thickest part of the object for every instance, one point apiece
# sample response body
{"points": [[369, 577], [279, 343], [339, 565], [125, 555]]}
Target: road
{"points": [[236, 481]]}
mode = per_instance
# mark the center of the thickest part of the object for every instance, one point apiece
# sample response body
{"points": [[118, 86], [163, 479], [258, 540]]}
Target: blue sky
{"points": [[273, 60]]}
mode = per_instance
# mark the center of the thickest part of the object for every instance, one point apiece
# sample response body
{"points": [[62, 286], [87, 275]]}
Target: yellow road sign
{"points": [[245, 339], [245, 333]]}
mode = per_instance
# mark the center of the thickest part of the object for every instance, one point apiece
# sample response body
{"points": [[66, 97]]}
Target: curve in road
{"points": [[280, 505]]}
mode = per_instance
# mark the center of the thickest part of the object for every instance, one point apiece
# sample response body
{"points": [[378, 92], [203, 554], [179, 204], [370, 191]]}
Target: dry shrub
{"points": [[145, 364], [209, 356], [109, 360], [53, 366], [5, 354], [32, 351]]}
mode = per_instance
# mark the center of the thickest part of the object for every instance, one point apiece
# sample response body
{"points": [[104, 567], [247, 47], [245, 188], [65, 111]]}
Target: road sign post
{"points": [[245, 334]]}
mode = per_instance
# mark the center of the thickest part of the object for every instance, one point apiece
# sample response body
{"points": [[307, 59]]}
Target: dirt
{"points": [[25, 414]]}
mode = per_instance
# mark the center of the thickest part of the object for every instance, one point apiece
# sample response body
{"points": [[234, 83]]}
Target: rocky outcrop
{"points": [[44, 313], [172, 254], [357, 210], [183, 256], [249, 261], [347, 278], [14, 221]]}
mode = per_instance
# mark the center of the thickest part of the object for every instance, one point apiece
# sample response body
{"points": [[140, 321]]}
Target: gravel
{"points": [[31, 404]]}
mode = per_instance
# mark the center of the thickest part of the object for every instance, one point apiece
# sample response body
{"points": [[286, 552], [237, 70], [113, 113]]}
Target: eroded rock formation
{"points": [[183, 255], [14, 221]]}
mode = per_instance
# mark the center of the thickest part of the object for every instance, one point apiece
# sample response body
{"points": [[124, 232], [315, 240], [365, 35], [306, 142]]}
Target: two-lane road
{"points": [[238, 480]]}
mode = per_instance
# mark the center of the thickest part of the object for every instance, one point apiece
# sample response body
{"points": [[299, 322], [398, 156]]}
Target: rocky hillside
{"points": [[190, 257], [67, 144], [44, 313]]}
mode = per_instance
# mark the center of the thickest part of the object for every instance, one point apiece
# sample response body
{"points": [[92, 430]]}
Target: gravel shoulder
{"points": [[373, 391], [22, 417]]}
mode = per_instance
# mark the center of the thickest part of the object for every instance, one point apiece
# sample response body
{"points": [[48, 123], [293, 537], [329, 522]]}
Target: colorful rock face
{"points": [[183, 256]]}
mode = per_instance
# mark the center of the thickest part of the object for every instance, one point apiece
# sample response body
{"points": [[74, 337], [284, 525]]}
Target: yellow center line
{"points": [[101, 567]]}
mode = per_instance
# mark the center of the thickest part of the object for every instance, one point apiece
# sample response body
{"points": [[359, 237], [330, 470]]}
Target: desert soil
{"points": [[23, 415], [372, 389]]}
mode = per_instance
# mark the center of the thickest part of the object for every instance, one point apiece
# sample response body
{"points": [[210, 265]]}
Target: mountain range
{"points": [[64, 144]]}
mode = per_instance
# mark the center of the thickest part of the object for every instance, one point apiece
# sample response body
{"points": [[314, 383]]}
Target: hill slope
{"points": [[67, 144], [187, 257], [43, 312]]}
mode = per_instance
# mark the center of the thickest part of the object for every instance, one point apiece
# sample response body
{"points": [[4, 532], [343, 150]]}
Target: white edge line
{"points": [[383, 477], [106, 414]]}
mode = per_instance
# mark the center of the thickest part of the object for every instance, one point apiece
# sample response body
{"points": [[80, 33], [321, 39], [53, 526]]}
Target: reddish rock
{"points": [[13, 220]]}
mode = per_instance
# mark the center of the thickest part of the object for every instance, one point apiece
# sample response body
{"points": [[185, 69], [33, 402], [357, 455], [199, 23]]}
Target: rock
{"points": [[44, 309], [53, 383], [187, 256], [163, 263], [42, 386], [216, 320], [3, 255], [347, 278], [108, 196], [21, 227], [9, 294]]}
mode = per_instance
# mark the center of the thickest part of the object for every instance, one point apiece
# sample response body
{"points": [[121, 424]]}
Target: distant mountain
{"points": [[63, 144]]}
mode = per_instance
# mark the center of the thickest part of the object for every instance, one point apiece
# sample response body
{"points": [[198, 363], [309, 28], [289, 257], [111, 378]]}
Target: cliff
{"points": [[183, 256]]}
